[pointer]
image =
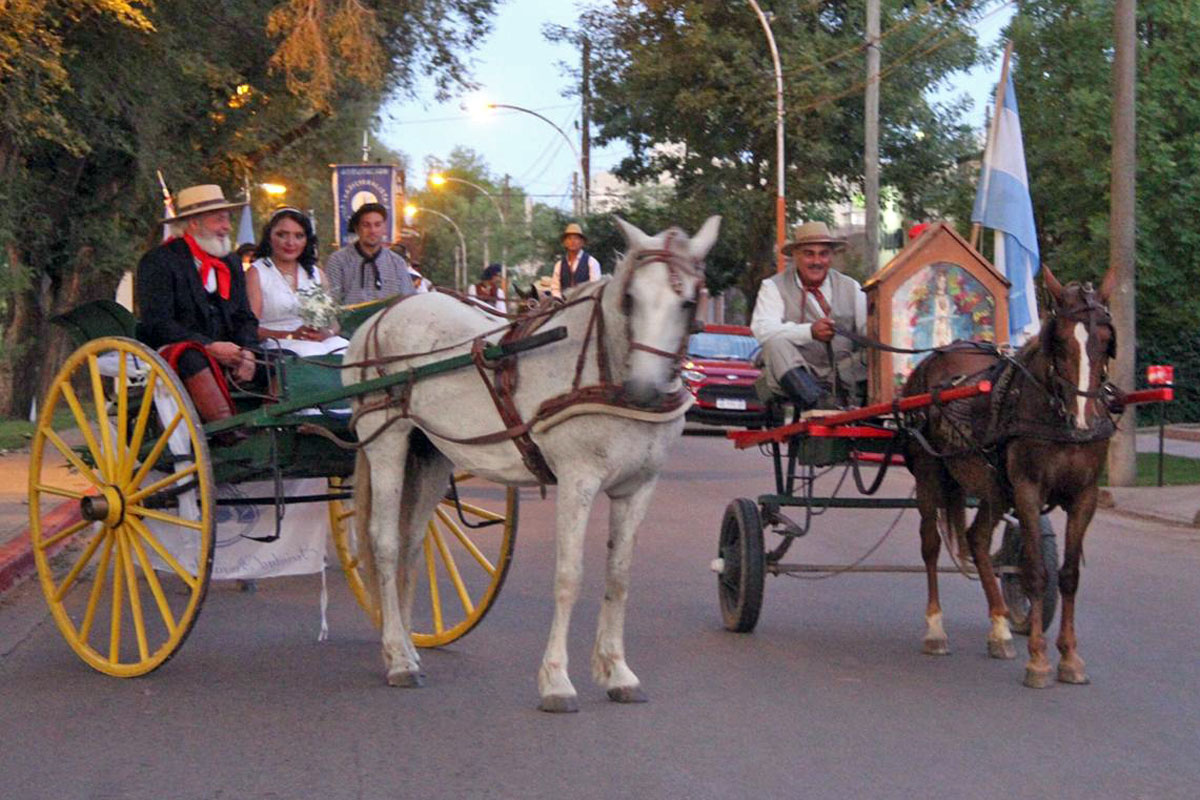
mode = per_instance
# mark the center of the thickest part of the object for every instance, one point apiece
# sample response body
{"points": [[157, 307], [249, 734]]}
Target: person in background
{"points": [[366, 270], [420, 284], [794, 318], [190, 289], [575, 266], [286, 269], [245, 254], [489, 290]]}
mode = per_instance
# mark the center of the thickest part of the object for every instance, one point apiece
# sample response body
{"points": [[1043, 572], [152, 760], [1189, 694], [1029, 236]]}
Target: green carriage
{"points": [[122, 492]]}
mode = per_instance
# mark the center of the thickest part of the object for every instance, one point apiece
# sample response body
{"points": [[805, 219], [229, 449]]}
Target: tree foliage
{"points": [[1063, 76], [96, 95], [688, 86]]}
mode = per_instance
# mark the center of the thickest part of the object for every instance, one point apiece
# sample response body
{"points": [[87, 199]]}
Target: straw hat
{"points": [[200, 200], [572, 228], [812, 233]]}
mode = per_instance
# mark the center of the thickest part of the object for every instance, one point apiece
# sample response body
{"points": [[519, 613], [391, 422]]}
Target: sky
{"points": [[517, 66]]}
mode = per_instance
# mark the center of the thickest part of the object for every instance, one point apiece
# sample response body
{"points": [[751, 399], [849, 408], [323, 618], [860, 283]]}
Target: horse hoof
{"points": [[1001, 648], [936, 647], [559, 704], [627, 694], [406, 679], [1073, 673], [1038, 678]]}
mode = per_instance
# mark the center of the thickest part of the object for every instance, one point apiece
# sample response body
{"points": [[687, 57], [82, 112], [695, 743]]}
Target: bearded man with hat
{"points": [[794, 318], [366, 270], [575, 266], [191, 301]]}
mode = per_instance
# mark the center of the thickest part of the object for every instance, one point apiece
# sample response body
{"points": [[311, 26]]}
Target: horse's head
{"points": [[1078, 339], [658, 285]]}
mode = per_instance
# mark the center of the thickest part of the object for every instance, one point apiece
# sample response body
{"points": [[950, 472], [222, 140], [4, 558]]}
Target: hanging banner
{"points": [[357, 184]]}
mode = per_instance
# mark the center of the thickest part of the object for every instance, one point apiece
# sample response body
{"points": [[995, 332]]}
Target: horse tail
{"points": [[362, 525]]}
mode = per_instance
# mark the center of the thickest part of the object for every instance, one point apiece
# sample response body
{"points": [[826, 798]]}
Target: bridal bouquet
{"points": [[317, 309]]}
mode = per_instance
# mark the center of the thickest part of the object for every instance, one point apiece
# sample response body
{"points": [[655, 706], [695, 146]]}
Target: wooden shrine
{"points": [[936, 290]]}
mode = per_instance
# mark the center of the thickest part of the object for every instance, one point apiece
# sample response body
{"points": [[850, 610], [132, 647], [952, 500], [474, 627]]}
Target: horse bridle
{"points": [[677, 266], [1093, 313]]}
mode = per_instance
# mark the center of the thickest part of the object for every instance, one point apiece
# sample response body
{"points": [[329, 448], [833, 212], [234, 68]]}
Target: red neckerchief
{"points": [[486, 291], [818, 295], [207, 263]]}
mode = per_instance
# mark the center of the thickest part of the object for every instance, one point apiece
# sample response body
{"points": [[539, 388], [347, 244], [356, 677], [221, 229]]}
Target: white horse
{"points": [[631, 327]]}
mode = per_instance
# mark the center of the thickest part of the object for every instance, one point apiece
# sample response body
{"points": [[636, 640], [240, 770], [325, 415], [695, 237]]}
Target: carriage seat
{"points": [[102, 318]]}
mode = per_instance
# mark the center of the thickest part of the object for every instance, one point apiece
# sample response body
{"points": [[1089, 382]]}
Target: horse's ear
{"points": [[1052, 284], [633, 235], [1108, 285], [706, 237]]}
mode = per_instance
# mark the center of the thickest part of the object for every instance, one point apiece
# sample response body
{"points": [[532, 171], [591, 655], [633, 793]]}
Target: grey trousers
{"points": [[779, 356]]}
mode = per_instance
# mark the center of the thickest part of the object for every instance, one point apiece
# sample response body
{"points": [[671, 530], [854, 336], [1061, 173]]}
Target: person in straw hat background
{"points": [[794, 318], [575, 266], [191, 289]]}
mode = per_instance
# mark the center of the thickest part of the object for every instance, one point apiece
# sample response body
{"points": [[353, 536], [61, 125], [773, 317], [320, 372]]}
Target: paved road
{"points": [[830, 697]]}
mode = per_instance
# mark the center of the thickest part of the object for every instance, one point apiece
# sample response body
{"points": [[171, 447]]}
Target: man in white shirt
{"points": [[575, 266], [794, 320]]}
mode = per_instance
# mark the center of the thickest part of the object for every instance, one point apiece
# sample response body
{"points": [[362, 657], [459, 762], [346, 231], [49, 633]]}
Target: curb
{"points": [[16, 556]]}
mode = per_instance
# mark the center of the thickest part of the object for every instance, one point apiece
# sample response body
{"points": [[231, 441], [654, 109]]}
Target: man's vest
{"points": [[795, 309], [568, 277]]}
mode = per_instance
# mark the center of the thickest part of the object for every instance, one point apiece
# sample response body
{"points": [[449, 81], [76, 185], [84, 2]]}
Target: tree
{"points": [[688, 86], [1062, 75], [95, 95]]}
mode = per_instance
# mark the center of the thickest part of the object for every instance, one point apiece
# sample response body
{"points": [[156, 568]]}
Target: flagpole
{"points": [[995, 126]]}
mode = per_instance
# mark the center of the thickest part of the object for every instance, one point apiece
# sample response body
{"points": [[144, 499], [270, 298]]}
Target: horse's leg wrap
{"points": [[608, 656]]}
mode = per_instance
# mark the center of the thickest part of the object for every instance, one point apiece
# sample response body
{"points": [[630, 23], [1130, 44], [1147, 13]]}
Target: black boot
{"points": [[801, 388]]}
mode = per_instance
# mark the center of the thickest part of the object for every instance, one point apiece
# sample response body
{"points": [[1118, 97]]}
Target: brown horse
{"points": [[1038, 441]]}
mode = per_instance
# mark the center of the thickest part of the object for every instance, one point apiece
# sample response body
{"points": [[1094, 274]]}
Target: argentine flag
{"points": [[246, 226], [1002, 203]]}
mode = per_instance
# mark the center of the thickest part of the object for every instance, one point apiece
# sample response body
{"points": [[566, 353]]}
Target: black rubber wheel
{"points": [[740, 582], [1013, 554]]}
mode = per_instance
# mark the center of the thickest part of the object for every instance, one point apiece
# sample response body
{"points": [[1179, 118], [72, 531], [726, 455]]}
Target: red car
{"points": [[720, 372]]}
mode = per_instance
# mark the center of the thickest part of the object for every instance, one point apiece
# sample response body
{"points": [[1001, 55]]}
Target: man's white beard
{"points": [[218, 246]]}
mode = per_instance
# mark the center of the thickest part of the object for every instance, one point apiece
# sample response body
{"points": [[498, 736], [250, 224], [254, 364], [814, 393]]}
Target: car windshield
{"points": [[721, 345]]}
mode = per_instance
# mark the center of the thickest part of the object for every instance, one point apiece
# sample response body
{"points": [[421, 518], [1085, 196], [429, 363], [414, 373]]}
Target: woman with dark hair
{"points": [[284, 277]]}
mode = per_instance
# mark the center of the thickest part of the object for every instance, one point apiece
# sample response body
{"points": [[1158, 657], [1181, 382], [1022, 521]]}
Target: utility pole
{"points": [[585, 158], [1122, 450], [871, 140]]}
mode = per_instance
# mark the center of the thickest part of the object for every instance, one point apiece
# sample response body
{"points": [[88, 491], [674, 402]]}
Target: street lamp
{"points": [[273, 189], [780, 208], [441, 179], [459, 280], [486, 106]]}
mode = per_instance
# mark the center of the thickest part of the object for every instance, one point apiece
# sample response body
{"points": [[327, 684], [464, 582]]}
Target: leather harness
{"points": [[501, 376]]}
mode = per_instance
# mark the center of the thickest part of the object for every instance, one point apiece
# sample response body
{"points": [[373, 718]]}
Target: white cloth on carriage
{"points": [[281, 309]]}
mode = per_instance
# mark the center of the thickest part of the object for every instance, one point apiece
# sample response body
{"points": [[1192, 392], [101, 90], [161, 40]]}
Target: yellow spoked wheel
{"points": [[121, 507], [463, 566]]}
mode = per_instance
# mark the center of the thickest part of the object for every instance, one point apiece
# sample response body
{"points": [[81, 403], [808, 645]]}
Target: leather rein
{"points": [[501, 376]]}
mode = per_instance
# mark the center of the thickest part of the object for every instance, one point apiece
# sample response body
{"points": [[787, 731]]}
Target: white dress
{"points": [[281, 308]]}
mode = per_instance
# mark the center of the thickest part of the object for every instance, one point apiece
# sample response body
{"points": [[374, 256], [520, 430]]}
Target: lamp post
{"points": [[459, 280], [780, 208], [441, 179], [567, 139]]}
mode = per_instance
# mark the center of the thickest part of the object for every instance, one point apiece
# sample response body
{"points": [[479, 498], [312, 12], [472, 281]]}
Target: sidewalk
{"points": [[1170, 505]]}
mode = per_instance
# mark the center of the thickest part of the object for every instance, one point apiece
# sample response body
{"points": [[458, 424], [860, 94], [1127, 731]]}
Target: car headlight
{"points": [[693, 376]]}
